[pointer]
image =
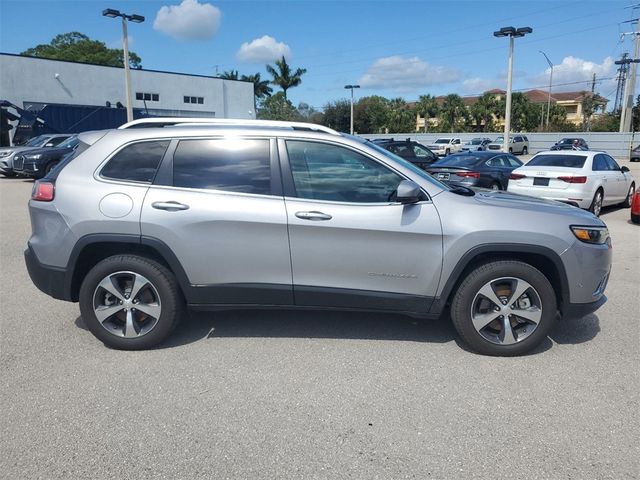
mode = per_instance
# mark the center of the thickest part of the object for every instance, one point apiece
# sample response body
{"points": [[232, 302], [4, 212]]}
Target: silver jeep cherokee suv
{"points": [[213, 214]]}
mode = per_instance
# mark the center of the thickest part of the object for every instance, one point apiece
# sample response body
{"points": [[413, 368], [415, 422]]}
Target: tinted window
{"points": [[599, 164], [234, 165], [422, 152], [137, 162], [459, 160], [404, 150], [569, 161], [52, 142], [513, 162], [328, 172], [611, 163]]}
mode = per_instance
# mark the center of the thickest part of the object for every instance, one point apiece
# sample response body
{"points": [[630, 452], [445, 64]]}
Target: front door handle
{"points": [[170, 206], [315, 216]]}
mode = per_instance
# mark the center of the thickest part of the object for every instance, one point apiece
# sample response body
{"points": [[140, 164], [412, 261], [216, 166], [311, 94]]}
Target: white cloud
{"points": [[406, 74], [573, 70], [477, 85], [263, 49], [188, 21]]}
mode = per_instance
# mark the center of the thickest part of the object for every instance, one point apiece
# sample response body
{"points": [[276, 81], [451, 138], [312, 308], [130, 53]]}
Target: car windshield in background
{"points": [[565, 141], [475, 141], [567, 161], [37, 141], [442, 140], [499, 140], [69, 142], [458, 161], [406, 164]]}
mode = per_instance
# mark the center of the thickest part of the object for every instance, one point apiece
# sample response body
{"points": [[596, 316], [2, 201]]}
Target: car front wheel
{"points": [[596, 203], [504, 308], [130, 302], [627, 200]]}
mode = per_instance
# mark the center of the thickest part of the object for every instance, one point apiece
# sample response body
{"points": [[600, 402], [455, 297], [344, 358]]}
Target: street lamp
{"points": [[512, 33], [112, 13], [351, 87], [550, 83]]}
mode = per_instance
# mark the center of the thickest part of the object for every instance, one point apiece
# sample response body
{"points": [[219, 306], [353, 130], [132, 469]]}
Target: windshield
{"points": [[443, 140], [499, 140], [69, 142], [37, 141], [567, 161], [406, 164], [457, 161], [475, 141]]}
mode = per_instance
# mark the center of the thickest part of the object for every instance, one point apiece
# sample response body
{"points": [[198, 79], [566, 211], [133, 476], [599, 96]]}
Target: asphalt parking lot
{"points": [[272, 394]]}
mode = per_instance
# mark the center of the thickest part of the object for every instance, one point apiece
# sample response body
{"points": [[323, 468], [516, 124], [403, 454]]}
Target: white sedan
{"points": [[586, 179]]}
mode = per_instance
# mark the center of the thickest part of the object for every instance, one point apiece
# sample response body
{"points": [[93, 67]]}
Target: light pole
{"points": [[351, 87], [550, 83], [512, 33], [111, 13]]}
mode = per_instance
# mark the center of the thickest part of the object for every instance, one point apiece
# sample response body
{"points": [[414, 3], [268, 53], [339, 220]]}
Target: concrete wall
{"points": [[616, 144], [24, 80]]}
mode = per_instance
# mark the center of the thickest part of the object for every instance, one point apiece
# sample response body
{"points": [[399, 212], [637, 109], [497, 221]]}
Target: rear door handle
{"points": [[170, 206], [315, 216]]}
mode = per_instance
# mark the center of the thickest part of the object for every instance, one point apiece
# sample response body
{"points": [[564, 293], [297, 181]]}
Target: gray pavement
{"points": [[271, 394]]}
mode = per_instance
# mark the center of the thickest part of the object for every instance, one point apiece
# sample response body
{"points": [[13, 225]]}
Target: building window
{"points": [[148, 97], [198, 100]]}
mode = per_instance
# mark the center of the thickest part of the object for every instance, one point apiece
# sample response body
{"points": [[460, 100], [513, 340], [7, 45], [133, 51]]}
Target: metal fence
{"points": [[616, 144]]}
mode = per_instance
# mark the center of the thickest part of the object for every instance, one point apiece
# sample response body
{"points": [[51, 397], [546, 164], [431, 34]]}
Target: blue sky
{"points": [[394, 49]]}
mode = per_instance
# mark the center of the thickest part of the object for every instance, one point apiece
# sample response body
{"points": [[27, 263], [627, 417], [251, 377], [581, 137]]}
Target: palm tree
{"points": [[452, 111], [261, 88], [427, 108], [283, 77], [230, 75], [483, 111]]}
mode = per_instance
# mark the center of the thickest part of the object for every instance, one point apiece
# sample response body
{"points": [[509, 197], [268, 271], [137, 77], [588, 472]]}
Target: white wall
{"points": [[25, 79]]}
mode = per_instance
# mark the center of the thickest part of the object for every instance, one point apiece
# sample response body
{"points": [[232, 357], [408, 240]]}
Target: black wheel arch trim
{"points": [[500, 249]]}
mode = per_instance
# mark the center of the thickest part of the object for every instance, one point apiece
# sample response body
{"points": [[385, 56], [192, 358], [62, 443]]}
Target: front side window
{"points": [[330, 172], [137, 162], [421, 152], [229, 164]]}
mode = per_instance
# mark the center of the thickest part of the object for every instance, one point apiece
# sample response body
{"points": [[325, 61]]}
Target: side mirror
{"points": [[408, 192], [624, 169]]}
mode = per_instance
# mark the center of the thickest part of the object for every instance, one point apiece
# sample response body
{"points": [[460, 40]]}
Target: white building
{"points": [[31, 83]]}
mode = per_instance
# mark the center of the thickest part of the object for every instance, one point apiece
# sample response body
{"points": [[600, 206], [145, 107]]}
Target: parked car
{"points": [[476, 169], [39, 162], [635, 154], [411, 151], [144, 220], [517, 144], [586, 179], [444, 146], [475, 144], [7, 154], [571, 143]]}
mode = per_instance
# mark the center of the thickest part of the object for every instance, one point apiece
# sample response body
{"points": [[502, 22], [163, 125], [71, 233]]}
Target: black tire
{"points": [[627, 201], [510, 150], [525, 150], [49, 167], [495, 186], [9, 174], [468, 293], [163, 285], [596, 203]]}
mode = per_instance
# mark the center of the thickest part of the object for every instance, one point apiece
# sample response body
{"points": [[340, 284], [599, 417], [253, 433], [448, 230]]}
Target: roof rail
{"points": [[160, 122]]}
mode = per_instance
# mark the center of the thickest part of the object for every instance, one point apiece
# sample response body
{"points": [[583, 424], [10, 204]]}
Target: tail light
{"points": [[571, 179], [516, 176], [468, 174], [43, 191]]}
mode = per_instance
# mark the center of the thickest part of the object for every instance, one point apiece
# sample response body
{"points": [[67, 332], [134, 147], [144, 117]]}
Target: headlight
{"points": [[596, 235], [36, 156], [6, 153]]}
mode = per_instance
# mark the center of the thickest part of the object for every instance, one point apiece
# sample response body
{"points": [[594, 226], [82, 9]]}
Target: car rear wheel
{"points": [[627, 201], [495, 186], [130, 302], [596, 203], [504, 308]]}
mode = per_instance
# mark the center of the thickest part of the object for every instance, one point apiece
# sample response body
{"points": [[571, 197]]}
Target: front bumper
{"points": [[579, 310], [50, 280]]}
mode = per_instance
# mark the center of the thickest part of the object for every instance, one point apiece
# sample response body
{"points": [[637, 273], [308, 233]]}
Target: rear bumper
{"points": [[48, 279], [573, 196]]}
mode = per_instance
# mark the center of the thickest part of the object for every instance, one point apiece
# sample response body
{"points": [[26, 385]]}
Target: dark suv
{"points": [[571, 144], [39, 162], [409, 150]]}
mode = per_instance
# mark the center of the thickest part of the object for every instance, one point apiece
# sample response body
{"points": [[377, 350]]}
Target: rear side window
{"points": [[233, 165], [568, 161], [137, 162], [599, 164]]}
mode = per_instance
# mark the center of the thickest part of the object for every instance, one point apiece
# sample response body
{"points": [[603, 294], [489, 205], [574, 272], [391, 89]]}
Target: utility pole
{"points": [[593, 84], [621, 79], [630, 85]]}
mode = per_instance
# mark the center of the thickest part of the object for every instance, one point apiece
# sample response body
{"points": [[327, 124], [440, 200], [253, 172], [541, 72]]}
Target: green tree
{"points": [[261, 87], [609, 122], [427, 108], [370, 114], [284, 77], [229, 75], [309, 114], [635, 115], [337, 115], [277, 107], [589, 106], [453, 113], [521, 112], [483, 111], [77, 47], [401, 118]]}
